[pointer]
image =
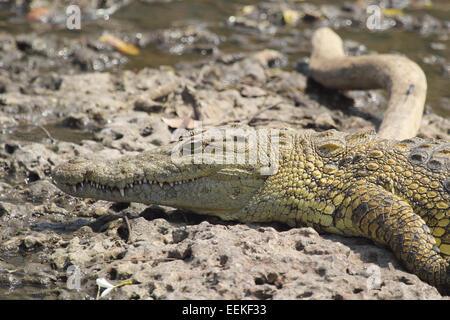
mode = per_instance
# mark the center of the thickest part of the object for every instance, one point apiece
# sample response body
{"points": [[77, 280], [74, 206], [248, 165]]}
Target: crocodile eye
{"points": [[447, 185], [328, 149], [435, 164]]}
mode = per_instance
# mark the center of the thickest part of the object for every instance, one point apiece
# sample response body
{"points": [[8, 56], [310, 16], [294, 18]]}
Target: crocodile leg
{"points": [[388, 220], [363, 209]]}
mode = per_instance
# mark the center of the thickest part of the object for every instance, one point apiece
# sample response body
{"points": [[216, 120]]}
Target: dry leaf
{"points": [[119, 44], [38, 14], [392, 12], [428, 4], [187, 123], [290, 16], [246, 10]]}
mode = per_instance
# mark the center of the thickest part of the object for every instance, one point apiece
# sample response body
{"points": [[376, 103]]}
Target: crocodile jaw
{"points": [[213, 189]]}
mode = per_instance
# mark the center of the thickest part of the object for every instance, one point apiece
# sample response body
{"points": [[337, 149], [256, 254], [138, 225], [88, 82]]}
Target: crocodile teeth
{"points": [[145, 180], [161, 184], [171, 184], [74, 188], [122, 192]]}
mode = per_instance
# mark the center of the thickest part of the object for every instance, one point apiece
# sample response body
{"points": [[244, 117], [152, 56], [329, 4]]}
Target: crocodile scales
{"points": [[395, 193]]}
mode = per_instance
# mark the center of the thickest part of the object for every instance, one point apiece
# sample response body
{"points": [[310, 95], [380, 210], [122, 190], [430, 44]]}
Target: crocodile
{"points": [[395, 193], [389, 187]]}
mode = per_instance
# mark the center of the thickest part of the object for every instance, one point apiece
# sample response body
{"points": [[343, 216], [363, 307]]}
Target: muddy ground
{"points": [[65, 97]]}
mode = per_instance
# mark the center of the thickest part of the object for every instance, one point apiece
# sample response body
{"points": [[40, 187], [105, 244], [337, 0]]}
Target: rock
{"points": [[179, 235], [242, 262], [325, 121], [149, 106], [445, 70], [40, 190], [437, 46], [30, 242], [85, 254], [252, 92], [76, 121]]}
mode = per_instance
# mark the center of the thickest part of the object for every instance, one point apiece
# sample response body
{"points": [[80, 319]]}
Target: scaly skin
{"points": [[395, 193]]}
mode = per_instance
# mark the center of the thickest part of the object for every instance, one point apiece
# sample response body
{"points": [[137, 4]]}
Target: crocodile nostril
{"points": [[447, 185], [435, 164], [418, 157]]}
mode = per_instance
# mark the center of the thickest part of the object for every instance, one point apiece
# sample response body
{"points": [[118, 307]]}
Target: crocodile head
{"points": [[158, 177]]}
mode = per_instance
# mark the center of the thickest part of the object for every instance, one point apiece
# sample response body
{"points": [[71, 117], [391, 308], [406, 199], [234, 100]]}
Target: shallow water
{"points": [[215, 13], [32, 133]]}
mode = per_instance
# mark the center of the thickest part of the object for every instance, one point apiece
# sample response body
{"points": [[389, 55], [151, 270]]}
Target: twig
{"points": [[260, 111], [127, 224], [46, 132]]}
